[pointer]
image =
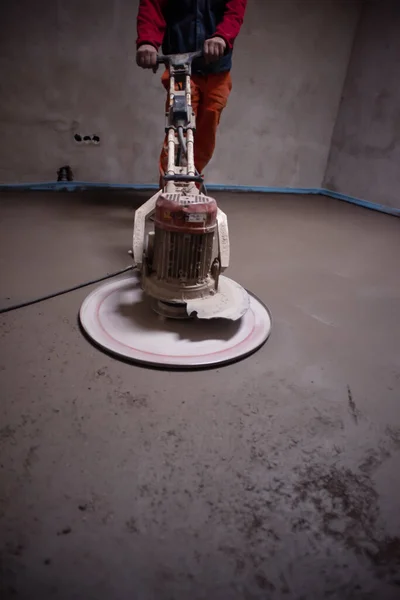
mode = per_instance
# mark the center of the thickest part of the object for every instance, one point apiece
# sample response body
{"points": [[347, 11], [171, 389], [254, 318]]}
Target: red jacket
{"points": [[156, 17]]}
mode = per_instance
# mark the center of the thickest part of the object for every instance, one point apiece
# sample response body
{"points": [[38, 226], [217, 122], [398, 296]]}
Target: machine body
{"points": [[181, 250]]}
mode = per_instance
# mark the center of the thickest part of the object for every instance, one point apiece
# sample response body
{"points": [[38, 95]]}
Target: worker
{"points": [[180, 26]]}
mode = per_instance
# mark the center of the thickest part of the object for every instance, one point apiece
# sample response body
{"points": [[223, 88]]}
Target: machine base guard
{"points": [[120, 320]]}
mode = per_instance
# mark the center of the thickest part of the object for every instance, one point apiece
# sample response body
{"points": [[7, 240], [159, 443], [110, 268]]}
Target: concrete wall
{"points": [[68, 66], [365, 155]]}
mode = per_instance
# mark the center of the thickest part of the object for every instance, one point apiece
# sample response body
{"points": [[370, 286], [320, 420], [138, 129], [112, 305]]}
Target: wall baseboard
{"points": [[359, 202], [72, 186]]}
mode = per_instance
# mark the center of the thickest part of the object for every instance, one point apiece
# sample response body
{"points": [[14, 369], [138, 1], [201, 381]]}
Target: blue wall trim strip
{"points": [[364, 203], [71, 186]]}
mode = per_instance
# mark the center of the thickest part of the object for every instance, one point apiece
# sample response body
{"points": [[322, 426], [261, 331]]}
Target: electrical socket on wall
{"points": [[87, 139]]}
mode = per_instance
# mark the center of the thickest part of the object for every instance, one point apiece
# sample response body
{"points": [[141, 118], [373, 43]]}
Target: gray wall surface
{"points": [[365, 155], [68, 66]]}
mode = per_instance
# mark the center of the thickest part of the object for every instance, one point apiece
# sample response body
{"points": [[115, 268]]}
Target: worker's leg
{"points": [[163, 163], [214, 90]]}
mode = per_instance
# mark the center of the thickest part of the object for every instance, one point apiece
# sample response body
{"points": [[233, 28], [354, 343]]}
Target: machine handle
{"points": [[178, 59]]}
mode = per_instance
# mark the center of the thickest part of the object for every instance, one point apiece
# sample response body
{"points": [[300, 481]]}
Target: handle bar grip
{"points": [[178, 59]]}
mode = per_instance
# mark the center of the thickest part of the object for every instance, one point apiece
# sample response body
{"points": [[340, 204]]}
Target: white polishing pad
{"points": [[118, 317]]}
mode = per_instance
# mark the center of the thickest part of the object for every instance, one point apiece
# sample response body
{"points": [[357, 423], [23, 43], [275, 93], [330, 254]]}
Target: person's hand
{"points": [[146, 57], [214, 49]]}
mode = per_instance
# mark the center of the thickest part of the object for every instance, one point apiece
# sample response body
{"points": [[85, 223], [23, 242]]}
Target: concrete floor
{"points": [[276, 477]]}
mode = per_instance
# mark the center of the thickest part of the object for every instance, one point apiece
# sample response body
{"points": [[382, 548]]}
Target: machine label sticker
{"points": [[197, 217]]}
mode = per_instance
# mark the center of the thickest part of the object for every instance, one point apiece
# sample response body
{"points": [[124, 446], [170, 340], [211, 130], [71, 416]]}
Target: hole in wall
{"points": [[87, 139]]}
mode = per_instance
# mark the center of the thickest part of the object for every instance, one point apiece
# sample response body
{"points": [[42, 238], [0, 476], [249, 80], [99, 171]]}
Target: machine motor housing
{"points": [[181, 261]]}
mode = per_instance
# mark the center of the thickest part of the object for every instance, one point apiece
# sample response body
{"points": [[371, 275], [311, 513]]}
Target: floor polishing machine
{"points": [[178, 309]]}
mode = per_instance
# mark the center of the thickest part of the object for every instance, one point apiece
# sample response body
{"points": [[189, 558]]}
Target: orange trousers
{"points": [[209, 98]]}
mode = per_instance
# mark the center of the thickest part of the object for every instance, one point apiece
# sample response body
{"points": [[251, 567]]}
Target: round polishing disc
{"points": [[117, 317]]}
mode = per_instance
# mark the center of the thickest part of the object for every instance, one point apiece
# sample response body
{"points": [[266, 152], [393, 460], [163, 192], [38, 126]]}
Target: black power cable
{"points": [[67, 291]]}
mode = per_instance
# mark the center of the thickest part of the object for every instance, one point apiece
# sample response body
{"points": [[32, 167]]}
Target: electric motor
{"points": [[180, 252]]}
